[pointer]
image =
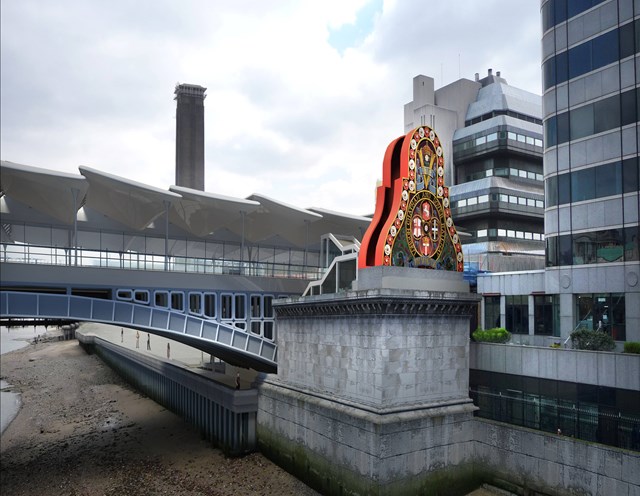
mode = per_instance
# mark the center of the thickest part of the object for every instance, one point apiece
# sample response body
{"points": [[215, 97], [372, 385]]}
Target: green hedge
{"points": [[495, 335], [632, 347], [585, 339]]}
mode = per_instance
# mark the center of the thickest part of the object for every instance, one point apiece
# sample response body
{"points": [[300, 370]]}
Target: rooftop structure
{"points": [[492, 131]]}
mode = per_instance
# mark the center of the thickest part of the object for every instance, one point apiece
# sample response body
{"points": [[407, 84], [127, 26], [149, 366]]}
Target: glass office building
{"points": [[591, 105]]}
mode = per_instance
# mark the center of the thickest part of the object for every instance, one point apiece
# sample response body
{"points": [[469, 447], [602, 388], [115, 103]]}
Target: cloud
{"points": [[302, 97]]}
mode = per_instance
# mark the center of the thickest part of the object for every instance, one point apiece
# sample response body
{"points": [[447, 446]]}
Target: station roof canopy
{"points": [[136, 207], [56, 194]]}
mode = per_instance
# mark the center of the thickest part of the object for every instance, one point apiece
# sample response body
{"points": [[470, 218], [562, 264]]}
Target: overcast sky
{"points": [[303, 97]]}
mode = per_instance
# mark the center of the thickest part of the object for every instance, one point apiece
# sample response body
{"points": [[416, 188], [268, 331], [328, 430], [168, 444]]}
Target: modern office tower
{"points": [[190, 136], [591, 104], [492, 136]]}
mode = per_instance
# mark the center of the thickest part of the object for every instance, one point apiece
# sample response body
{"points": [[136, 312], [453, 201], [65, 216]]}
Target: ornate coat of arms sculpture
{"points": [[412, 224]]}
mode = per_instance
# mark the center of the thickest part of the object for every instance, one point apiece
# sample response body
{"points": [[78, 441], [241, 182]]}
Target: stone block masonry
{"points": [[371, 395]]}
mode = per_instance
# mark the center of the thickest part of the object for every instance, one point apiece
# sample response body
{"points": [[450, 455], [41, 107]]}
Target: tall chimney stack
{"points": [[190, 136]]}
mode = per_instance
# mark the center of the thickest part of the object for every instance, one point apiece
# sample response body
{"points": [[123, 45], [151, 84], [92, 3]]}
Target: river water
{"points": [[10, 340]]}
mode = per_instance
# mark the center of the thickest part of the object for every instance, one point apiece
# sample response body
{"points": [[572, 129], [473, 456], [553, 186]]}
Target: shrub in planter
{"points": [[585, 339], [632, 347], [495, 335]]}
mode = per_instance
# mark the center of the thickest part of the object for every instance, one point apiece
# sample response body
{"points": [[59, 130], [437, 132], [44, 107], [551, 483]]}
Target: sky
{"points": [[303, 97]]}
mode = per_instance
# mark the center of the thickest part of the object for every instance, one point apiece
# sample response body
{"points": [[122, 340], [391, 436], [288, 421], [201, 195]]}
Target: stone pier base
{"points": [[339, 449], [372, 390]]}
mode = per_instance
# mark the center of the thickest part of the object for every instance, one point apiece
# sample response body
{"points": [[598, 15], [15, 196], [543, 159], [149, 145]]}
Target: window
{"points": [[268, 329], [517, 314], [226, 306], [584, 248], [632, 241], [195, 303], [626, 40], [546, 315], [240, 307], [564, 188], [124, 294], [610, 247], [583, 184], [630, 173], [551, 251], [628, 108], [551, 191], [605, 312], [210, 305], [551, 131], [162, 299], [565, 254], [256, 307], [141, 296], [268, 306], [472, 201], [483, 198], [177, 300], [482, 233], [608, 180], [606, 114], [581, 122], [491, 312]]}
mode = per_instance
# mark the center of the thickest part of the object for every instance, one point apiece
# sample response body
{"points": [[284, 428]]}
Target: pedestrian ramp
{"points": [[231, 344]]}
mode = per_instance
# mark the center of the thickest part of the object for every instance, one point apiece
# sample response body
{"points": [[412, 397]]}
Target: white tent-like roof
{"points": [[112, 201]]}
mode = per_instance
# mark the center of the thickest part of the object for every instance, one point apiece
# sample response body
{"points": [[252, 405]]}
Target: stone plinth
{"points": [[372, 384]]}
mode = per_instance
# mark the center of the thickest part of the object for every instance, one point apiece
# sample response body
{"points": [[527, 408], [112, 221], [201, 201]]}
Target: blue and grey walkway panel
{"points": [[229, 343]]}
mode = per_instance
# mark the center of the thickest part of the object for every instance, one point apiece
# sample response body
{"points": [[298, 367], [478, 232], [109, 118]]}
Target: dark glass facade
{"points": [[584, 411]]}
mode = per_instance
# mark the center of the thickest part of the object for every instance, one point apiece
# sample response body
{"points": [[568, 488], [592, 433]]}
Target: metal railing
{"points": [[214, 337], [48, 255], [590, 422]]}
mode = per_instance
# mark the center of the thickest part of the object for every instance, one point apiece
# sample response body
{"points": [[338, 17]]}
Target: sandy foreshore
{"points": [[83, 431]]}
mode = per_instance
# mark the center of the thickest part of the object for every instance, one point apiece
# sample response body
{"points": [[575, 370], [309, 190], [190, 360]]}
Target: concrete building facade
{"points": [[492, 136]]}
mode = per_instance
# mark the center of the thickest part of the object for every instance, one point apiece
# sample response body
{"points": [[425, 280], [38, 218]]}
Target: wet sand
{"points": [[82, 431]]}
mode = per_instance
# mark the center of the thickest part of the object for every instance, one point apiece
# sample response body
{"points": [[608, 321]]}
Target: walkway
{"points": [[181, 354]]}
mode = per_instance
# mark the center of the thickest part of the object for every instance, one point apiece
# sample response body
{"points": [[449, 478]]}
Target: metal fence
{"points": [[588, 421]]}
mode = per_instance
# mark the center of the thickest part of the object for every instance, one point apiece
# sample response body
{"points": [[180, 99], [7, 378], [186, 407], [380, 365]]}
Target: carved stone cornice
{"points": [[377, 305]]}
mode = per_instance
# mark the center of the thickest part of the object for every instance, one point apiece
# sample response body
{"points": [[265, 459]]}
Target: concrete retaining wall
{"points": [[224, 416], [553, 464], [600, 368]]}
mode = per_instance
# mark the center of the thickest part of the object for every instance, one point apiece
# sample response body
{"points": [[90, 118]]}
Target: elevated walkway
{"points": [[231, 344]]}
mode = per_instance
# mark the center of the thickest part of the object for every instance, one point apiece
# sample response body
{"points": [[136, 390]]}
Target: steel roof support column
{"points": [[166, 234], [242, 214], [306, 243], [74, 193]]}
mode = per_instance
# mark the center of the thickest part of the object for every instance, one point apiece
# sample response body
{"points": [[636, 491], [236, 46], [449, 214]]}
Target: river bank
{"points": [[83, 431]]}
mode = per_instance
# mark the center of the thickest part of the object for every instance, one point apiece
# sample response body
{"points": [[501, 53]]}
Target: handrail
{"points": [[228, 342], [332, 267], [51, 255]]}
